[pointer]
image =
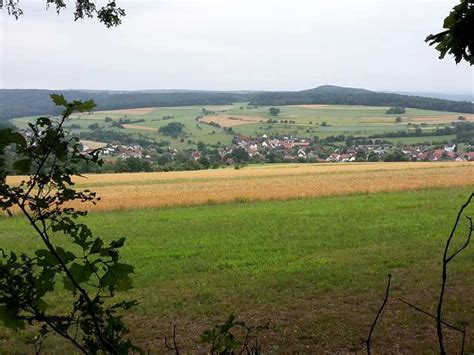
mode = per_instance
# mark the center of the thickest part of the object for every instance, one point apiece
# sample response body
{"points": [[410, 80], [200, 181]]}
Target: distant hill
{"points": [[337, 95], [18, 103], [32, 102]]}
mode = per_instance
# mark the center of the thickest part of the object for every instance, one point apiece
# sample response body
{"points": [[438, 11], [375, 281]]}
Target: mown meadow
{"points": [[313, 269]]}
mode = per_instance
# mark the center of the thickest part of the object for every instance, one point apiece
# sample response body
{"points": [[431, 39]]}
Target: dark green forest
{"points": [[335, 95], [28, 102]]}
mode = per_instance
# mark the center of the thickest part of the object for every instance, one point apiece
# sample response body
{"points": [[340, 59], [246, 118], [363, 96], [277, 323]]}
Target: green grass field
{"points": [[348, 120], [315, 269]]}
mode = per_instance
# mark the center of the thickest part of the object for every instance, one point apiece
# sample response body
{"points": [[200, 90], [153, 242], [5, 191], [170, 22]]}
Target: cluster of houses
{"points": [[122, 151], [298, 149], [292, 148]]}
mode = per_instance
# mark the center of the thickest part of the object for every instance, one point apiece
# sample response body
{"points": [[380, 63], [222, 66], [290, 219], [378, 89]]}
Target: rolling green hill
{"points": [[18, 103], [247, 120]]}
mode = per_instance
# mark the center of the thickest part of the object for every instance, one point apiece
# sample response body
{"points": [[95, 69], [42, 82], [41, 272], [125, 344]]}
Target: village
{"points": [[293, 149]]}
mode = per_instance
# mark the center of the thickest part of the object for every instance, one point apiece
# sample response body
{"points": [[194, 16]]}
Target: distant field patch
{"points": [[375, 119], [441, 118], [232, 120], [310, 106], [143, 128], [338, 107], [218, 107], [130, 111], [93, 144]]}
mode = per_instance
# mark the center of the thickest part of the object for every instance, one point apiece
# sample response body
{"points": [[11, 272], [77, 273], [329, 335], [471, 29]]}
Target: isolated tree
{"points": [[350, 141], [201, 146], [109, 14], [373, 157], [398, 119], [85, 265], [274, 111], [361, 155], [172, 129], [458, 38]]}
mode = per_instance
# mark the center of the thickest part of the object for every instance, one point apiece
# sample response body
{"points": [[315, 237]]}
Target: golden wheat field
{"points": [[269, 182]]}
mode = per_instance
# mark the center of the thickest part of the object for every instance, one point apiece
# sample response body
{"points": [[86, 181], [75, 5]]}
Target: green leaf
{"points": [[117, 277], [46, 257], [8, 136], [41, 203], [66, 256], [97, 246], [23, 165], [9, 317], [81, 274], [41, 304], [117, 243], [59, 100], [45, 282]]}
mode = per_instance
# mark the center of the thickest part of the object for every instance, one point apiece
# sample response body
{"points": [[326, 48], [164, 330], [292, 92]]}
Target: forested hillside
{"points": [[18, 103], [334, 95]]}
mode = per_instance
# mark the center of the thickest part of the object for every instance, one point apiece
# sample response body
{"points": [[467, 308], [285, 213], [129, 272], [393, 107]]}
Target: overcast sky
{"points": [[234, 45]]}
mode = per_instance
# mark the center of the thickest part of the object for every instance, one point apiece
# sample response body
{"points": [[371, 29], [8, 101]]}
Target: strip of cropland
{"points": [[313, 269], [269, 182]]}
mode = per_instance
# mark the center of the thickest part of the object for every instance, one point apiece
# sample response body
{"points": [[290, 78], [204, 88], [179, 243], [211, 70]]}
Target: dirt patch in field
{"points": [[441, 118], [143, 128], [311, 106], [219, 107], [130, 111], [230, 121], [320, 106]]}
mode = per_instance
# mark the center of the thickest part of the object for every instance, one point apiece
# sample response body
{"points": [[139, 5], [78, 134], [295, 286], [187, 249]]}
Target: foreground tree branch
{"points": [[93, 276], [457, 38], [446, 260], [110, 14]]}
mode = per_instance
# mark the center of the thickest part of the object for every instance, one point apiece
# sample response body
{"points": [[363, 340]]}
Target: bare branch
{"points": [[374, 324], [464, 246], [453, 327], [173, 347], [444, 276]]}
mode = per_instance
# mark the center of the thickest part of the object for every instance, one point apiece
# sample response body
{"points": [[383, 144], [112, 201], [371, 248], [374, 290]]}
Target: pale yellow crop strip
{"points": [[128, 191]]}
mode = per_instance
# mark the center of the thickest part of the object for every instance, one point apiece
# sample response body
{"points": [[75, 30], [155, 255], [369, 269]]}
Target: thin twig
{"points": [[173, 347], [453, 327], [374, 324], [430, 315]]}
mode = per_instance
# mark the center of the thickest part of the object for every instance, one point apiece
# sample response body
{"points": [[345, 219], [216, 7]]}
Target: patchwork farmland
{"points": [[297, 120]]}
